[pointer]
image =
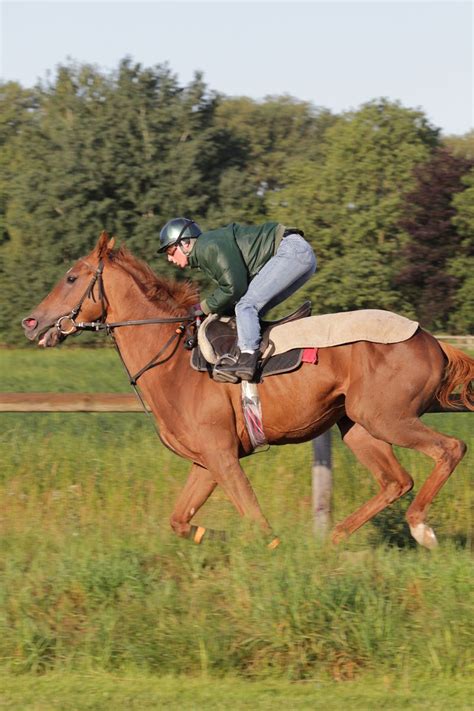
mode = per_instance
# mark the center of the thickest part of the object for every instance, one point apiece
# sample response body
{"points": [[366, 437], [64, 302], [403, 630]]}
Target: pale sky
{"points": [[335, 54]]}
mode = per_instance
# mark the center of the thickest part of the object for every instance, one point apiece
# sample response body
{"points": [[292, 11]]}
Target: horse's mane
{"points": [[174, 296]]}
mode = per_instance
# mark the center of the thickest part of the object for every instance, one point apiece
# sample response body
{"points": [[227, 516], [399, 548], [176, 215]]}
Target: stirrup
{"points": [[221, 376]]}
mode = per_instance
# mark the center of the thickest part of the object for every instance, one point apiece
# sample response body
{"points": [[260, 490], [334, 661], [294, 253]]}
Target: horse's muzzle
{"points": [[46, 333], [29, 323], [30, 326]]}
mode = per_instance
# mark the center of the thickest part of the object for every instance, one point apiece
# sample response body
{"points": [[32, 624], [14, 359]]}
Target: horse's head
{"points": [[72, 295]]}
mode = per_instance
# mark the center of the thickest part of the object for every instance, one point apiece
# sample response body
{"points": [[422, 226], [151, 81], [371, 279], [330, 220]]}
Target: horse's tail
{"points": [[459, 372]]}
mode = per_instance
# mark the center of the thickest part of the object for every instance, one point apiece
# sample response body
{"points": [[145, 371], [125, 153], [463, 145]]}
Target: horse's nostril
{"points": [[29, 323]]}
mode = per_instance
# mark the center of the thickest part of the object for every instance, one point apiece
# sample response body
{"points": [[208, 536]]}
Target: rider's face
{"points": [[177, 256]]}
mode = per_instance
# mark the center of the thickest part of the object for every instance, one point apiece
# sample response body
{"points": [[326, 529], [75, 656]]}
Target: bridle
{"points": [[102, 325], [89, 293]]}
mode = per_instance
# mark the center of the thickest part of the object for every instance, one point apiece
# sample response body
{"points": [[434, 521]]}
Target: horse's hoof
{"points": [[424, 535], [339, 535], [274, 543]]}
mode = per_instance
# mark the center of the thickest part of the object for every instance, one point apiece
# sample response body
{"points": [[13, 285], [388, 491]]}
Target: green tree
{"points": [[461, 146], [425, 278], [122, 151], [128, 149], [90, 160], [278, 132], [461, 264], [17, 106], [352, 202]]}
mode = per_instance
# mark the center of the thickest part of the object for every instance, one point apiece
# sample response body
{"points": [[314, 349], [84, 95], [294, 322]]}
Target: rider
{"points": [[254, 268]]}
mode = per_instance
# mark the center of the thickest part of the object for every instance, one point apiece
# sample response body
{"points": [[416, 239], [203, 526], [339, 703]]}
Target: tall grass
{"points": [[130, 602], [92, 578]]}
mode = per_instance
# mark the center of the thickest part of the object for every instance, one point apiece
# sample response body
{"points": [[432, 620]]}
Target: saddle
{"points": [[217, 337]]}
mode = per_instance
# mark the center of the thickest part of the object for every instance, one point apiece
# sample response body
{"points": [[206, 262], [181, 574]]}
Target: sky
{"points": [[336, 54]]}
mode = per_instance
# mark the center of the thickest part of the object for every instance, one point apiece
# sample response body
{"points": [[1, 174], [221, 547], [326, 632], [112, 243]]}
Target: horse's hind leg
{"points": [[379, 459], [447, 452], [411, 433]]}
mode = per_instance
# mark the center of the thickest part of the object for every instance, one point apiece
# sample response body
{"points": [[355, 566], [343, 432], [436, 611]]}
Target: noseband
{"points": [[102, 325]]}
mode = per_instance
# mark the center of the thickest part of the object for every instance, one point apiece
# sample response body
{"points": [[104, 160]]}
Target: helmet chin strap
{"points": [[187, 250]]}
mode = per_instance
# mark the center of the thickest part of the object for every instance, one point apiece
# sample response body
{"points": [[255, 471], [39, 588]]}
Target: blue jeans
{"points": [[292, 265]]}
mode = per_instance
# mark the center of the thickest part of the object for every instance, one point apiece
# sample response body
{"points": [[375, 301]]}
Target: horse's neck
{"points": [[125, 298], [161, 385], [138, 344]]}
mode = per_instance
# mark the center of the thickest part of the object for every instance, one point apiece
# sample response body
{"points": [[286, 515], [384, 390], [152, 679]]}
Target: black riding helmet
{"points": [[177, 229]]}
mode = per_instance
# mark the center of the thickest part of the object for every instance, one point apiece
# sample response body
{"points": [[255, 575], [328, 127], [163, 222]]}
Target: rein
{"points": [[103, 325]]}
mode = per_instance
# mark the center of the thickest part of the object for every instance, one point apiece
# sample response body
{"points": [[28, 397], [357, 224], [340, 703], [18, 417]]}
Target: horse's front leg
{"points": [[228, 473], [198, 488]]}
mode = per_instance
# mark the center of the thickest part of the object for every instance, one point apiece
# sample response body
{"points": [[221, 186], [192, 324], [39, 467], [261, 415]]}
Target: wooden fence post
{"points": [[322, 484]]}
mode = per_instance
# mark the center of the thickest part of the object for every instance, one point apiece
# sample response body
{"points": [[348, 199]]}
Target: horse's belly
{"points": [[298, 406]]}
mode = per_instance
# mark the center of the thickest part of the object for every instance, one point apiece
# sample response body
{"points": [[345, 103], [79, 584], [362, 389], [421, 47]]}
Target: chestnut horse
{"points": [[374, 393]]}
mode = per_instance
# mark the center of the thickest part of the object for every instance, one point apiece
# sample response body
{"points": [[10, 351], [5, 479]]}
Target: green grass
{"points": [[138, 692], [97, 594], [65, 369]]}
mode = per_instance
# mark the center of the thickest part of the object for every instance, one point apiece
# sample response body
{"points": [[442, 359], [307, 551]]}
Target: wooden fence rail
{"points": [[93, 402], [458, 341], [69, 402]]}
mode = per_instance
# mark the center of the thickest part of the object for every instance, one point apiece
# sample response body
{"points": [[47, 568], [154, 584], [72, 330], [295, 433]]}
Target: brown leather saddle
{"points": [[222, 337]]}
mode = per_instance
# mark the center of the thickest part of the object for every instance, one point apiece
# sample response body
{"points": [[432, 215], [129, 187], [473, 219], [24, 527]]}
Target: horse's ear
{"points": [[105, 244]]}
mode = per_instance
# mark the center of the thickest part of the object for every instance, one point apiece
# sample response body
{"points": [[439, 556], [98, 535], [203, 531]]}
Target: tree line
{"points": [[385, 200]]}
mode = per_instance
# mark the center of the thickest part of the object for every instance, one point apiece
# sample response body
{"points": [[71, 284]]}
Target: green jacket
{"points": [[231, 256]]}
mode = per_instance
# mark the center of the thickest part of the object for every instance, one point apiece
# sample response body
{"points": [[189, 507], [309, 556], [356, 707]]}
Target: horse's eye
{"points": [[71, 279]]}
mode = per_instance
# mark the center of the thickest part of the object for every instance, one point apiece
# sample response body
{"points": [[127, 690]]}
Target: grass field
{"points": [[140, 692], [97, 596]]}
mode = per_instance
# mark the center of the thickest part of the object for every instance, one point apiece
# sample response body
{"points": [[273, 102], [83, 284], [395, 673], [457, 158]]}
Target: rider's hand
{"points": [[196, 311]]}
